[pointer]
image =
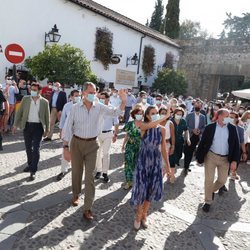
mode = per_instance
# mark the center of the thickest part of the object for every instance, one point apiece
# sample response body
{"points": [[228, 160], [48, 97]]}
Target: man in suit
{"points": [[57, 102], [33, 118], [196, 123], [218, 149]]}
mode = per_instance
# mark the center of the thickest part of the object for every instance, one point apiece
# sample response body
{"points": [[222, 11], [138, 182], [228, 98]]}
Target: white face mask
{"points": [[227, 120], [144, 100], [77, 99], [138, 117], [177, 117]]}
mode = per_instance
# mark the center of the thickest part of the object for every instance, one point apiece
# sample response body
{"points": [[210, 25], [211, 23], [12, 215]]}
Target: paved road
{"points": [[38, 215]]}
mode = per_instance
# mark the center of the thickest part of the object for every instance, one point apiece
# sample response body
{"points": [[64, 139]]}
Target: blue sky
{"points": [[210, 14]]}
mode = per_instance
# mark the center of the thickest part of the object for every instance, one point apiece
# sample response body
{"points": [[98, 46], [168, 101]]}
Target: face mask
{"points": [[144, 100], [227, 120], [91, 97], [197, 109], [129, 93], [155, 117], [162, 116], [77, 99], [241, 111], [33, 93], [158, 102], [177, 117], [102, 101], [138, 117]]}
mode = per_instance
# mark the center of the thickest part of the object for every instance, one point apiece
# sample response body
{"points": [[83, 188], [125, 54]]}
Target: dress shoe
{"points": [[75, 201], [137, 225], [105, 178], [27, 169], [185, 172], [222, 190], [98, 175], [88, 215], [144, 223], [47, 139], [60, 176], [206, 207], [32, 176], [189, 170]]}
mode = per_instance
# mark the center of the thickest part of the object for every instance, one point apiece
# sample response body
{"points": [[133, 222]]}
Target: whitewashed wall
{"points": [[25, 22]]}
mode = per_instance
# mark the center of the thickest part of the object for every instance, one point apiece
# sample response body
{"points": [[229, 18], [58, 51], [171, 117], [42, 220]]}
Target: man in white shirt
{"points": [[74, 98], [105, 139], [82, 127]]}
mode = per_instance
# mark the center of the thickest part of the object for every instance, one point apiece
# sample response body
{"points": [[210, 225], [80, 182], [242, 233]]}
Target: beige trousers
{"points": [[212, 162], [83, 155], [53, 117]]}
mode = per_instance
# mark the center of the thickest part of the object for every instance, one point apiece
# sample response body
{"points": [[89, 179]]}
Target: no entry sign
{"points": [[14, 53]]}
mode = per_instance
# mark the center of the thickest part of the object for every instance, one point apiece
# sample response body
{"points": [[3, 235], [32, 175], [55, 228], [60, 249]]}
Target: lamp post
{"points": [[52, 36]]}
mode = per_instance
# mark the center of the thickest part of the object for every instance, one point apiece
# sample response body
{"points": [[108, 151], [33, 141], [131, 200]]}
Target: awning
{"points": [[244, 93]]}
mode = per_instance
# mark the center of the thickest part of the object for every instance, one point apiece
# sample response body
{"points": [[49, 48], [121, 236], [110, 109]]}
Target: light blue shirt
{"points": [[12, 92], [65, 112], [54, 99], [220, 142], [131, 101]]}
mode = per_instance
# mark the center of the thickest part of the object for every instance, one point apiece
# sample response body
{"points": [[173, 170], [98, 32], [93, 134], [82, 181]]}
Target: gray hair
{"points": [[87, 84], [221, 111]]}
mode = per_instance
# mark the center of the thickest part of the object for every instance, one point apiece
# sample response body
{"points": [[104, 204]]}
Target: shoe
{"points": [[60, 176], [137, 225], [172, 179], [105, 178], [127, 186], [144, 223], [87, 215], [75, 201], [212, 196], [185, 172], [32, 176], [206, 207], [222, 190], [189, 170], [27, 169], [47, 139], [98, 175]]}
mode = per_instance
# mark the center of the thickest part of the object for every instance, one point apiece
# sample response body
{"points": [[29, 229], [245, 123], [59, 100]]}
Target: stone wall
{"points": [[204, 61]]}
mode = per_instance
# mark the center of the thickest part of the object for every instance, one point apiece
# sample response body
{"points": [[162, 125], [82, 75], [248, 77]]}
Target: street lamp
{"points": [[133, 60], [52, 36]]}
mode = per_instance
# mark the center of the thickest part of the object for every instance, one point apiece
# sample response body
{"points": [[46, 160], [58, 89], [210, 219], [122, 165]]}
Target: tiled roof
{"points": [[104, 11]]}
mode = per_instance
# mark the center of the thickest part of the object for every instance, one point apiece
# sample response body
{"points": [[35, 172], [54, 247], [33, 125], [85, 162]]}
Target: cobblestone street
{"points": [[38, 214]]}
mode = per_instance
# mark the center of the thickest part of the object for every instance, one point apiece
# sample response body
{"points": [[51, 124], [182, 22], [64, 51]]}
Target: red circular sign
{"points": [[14, 53]]}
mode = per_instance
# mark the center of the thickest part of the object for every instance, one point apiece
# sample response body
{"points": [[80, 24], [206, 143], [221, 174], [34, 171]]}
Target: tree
{"points": [[172, 25], [65, 64], [148, 63], [190, 29], [170, 80], [157, 16], [236, 27]]}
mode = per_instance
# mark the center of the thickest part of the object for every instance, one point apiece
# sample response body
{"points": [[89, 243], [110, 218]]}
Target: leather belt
{"points": [[219, 154], [85, 139], [106, 131]]}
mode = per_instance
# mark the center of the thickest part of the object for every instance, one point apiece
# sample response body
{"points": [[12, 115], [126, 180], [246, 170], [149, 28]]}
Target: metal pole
{"points": [[139, 60]]}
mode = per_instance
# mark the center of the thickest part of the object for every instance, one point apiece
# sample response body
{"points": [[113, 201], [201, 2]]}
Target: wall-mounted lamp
{"points": [[53, 36], [133, 60]]}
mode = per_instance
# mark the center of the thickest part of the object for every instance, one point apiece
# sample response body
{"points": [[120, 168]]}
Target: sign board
{"points": [[125, 77], [14, 53], [115, 59]]}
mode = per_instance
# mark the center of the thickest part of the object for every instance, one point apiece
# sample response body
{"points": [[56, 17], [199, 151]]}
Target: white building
{"points": [[25, 22]]}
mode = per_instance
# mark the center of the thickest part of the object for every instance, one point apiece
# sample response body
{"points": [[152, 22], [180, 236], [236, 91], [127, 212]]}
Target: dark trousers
{"points": [[127, 114], [33, 133], [189, 150]]}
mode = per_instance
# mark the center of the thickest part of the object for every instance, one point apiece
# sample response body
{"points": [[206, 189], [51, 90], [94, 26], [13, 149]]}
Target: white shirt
{"points": [[34, 111], [65, 112], [220, 142], [167, 127], [115, 101], [87, 124], [197, 120], [109, 122]]}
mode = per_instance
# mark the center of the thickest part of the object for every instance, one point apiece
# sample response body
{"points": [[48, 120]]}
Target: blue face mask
{"points": [[155, 117], [91, 97], [138, 117], [77, 99], [102, 101], [158, 102], [33, 93]]}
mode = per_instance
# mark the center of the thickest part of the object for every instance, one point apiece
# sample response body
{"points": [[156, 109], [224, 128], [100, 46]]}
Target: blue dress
{"points": [[148, 183]]}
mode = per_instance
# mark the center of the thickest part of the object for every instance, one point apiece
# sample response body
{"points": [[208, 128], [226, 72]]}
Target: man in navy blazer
{"points": [[218, 149], [57, 101], [196, 123]]}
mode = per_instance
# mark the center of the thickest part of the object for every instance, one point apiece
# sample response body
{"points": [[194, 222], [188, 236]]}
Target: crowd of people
{"points": [[159, 130]]}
